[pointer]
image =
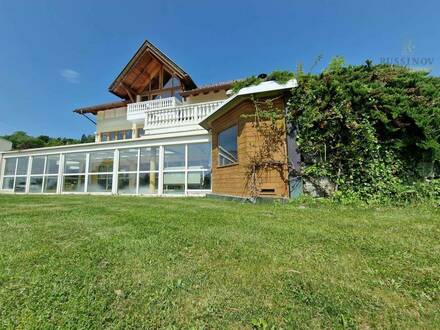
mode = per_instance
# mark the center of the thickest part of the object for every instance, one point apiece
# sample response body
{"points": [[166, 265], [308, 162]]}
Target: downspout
{"points": [[293, 156]]}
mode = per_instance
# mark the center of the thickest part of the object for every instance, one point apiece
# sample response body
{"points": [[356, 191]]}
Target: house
{"points": [[165, 136], [5, 145]]}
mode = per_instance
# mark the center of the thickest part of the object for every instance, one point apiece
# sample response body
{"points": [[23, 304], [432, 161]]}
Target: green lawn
{"points": [[114, 262]]}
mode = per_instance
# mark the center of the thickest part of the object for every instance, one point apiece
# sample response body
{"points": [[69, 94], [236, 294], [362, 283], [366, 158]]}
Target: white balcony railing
{"points": [[165, 103], [182, 115]]}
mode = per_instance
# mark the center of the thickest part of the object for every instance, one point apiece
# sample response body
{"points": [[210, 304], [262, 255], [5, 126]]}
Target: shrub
{"points": [[373, 130]]}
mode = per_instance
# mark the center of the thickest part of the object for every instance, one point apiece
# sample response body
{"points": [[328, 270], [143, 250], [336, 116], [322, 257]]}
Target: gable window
{"points": [[227, 146]]}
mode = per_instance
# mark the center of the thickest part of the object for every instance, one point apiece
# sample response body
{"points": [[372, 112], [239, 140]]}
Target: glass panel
{"points": [[127, 183], [20, 184], [111, 136], [174, 183], [174, 157], [104, 137], [101, 161], [227, 146], [166, 94], [167, 82], [177, 95], [74, 183], [10, 166], [128, 134], [36, 184], [50, 184], [100, 183], [149, 159], [199, 180], [52, 164], [38, 165], [154, 84], [128, 159], [148, 183], [8, 183], [22, 166], [199, 156], [75, 163], [120, 135], [140, 132]]}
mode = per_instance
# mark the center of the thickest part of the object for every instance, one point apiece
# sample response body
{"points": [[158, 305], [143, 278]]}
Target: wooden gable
{"points": [[147, 65]]}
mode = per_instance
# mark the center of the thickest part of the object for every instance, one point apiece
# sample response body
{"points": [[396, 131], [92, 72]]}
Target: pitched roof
{"points": [[146, 58], [209, 88], [94, 109], [265, 88]]}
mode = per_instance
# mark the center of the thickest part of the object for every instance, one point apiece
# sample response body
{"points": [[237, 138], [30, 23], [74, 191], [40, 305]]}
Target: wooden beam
{"points": [[129, 92]]}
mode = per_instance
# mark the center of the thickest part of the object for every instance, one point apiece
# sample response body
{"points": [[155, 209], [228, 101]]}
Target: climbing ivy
{"points": [[373, 131]]}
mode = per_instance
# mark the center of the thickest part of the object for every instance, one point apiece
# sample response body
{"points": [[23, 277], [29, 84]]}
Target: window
{"points": [[8, 183], [50, 184], [75, 163], [20, 184], [174, 183], [199, 180], [74, 183], [74, 172], [104, 137], [170, 169], [148, 183], [199, 156], [36, 184], [174, 157], [128, 134], [38, 165], [127, 183], [149, 170], [128, 167], [42, 167], [101, 163], [140, 132], [128, 160], [227, 146], [10, 164], [120, 135], [15, 174], [53, 164], [22, 165], [149, 160]]}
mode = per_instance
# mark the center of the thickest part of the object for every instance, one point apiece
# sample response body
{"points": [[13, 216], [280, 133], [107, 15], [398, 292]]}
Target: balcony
{"points": [[169, 114]]}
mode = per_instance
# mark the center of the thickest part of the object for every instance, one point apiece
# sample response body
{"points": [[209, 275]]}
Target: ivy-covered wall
{"points": [[370, 132]]}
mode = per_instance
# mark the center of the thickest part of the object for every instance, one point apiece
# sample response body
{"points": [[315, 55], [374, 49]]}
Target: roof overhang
{"points": [[138, 70], [264, 89], [208, 88], [101, 107]]}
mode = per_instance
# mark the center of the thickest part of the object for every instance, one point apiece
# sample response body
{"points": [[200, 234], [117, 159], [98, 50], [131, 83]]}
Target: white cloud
{"points": [[70, 76]]}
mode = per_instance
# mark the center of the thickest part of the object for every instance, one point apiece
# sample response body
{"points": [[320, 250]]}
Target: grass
{"points": [[117, 262]]}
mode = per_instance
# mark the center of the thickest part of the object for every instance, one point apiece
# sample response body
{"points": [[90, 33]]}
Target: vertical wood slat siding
{"points": [[232, 179]]}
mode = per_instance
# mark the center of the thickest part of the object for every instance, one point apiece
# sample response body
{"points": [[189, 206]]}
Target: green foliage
{"points": [[281, 77], [20, 140], [373, 130]]}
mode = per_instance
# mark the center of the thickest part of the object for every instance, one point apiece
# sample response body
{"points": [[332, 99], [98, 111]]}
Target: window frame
{"points": [[218, 147]]}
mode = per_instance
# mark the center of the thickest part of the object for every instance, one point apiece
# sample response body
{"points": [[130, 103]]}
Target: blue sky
{"points": [[57, 55]]}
